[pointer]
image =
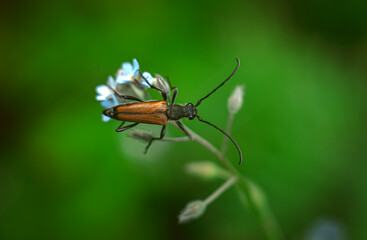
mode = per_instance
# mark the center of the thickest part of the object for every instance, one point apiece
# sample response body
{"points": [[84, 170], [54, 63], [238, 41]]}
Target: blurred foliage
{"points": [[67, 175]]}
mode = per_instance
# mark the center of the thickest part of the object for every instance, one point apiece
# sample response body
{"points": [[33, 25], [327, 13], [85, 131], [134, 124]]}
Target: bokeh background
{"points": [[64, 174]]}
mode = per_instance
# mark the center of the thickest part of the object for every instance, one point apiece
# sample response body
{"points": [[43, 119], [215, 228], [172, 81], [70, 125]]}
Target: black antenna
{"points": [[114, 91], [151, 86], [145, 80], [238, 64], [234, 142]]}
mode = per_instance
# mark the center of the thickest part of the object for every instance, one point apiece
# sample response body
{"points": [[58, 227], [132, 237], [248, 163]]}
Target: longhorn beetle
{"points": [[160, 112]]}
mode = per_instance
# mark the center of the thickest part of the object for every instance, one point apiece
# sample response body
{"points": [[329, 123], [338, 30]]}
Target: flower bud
{"points": [[161, 83], [141, 135], [206, 169], [236, 99], [193, 210]]}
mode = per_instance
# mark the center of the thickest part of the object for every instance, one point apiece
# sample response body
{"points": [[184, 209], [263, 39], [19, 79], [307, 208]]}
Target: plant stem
{"points": [[262, 209], [179, 139], [228, 130], [195, 137], [220, 190]]}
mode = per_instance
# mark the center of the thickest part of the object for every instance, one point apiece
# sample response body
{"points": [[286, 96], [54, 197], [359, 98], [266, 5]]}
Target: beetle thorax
{"points": [[177, 111]]}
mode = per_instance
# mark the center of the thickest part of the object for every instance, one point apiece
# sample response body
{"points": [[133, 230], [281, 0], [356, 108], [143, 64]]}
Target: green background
{"points": [[64, 174]]}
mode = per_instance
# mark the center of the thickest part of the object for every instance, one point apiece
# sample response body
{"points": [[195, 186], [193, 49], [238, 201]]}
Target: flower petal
{"points": [[111, 82], [115, 101], [135, 65], [148, 77], [121, 79], [101, 98], [103, 90], [105, 118], [108, 103], [127, 68]]}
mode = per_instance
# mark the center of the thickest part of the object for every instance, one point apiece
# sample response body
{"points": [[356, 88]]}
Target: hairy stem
{"points": [[179, 139], [261, 207], [195, 137], [220, 190], [228, 130]]}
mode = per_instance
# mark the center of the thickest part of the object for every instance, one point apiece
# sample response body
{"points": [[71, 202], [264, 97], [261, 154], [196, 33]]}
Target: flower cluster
{"points": [[128, 81]]}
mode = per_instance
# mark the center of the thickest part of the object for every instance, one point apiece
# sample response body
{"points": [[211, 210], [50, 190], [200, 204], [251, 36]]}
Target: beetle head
{"points": [[191, 111], [109, 112]]}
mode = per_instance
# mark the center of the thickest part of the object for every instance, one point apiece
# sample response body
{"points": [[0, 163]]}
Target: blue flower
{"points": [[149, 78], [128, 72], [106, 96]]}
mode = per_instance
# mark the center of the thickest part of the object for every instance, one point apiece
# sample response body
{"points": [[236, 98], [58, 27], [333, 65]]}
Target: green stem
{"points": [[220, 190], [179, 139], [228, 130], [258, 203]]}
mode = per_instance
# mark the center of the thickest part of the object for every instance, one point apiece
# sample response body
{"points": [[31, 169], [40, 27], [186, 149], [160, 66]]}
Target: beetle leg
{"points": [[164, 95], [118, 95], [121, 129], [163, 132], [122, 124], [169, 82], [174, 95], [128, 97], [131, 98], [180, 125]]}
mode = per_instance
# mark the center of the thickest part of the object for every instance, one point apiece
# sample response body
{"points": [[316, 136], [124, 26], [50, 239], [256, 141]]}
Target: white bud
{"points": [[192, 211], [236, 99], [161, 83], [206, 169]]}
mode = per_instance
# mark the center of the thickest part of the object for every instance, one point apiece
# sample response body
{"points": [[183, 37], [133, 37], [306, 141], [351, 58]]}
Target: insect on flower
{"points": [[159, 112], [125, 77]]}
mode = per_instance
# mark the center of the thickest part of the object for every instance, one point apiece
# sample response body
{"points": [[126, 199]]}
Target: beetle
{"points": [[160, 112]]}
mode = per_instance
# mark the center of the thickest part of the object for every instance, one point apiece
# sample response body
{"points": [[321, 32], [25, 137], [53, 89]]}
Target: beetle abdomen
{"points": [[147, 112]]}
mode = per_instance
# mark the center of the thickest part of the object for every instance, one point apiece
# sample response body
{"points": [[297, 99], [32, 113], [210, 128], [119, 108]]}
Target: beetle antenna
{"points": [[164, 95], [114, 91], [234, 142], [145, 80], [238, 64]]}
